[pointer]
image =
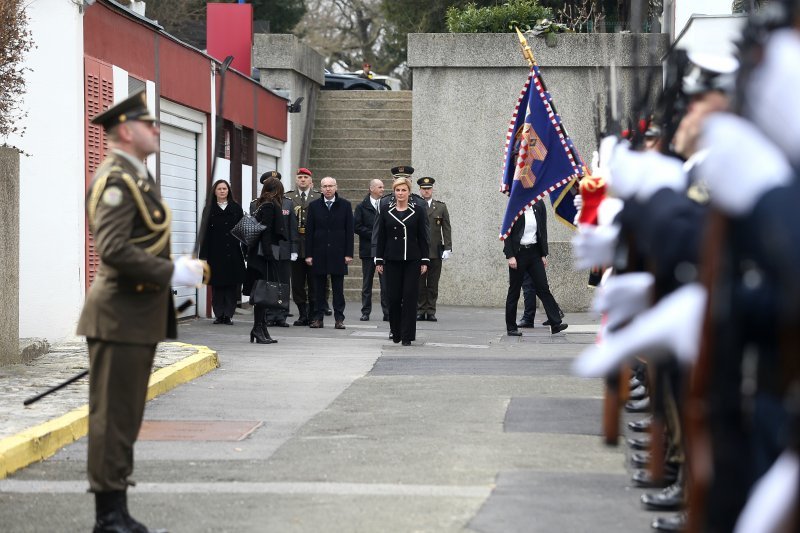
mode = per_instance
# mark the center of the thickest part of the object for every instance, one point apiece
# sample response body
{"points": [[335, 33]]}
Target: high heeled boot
{"points": [[260, 333]]}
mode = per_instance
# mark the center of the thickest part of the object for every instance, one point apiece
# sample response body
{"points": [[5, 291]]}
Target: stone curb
{"points": [[42, 441]]}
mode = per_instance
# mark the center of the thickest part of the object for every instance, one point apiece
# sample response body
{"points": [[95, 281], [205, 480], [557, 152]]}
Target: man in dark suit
{"points": [[364, 220], [526, 251], [329, 247], [129, 307]]}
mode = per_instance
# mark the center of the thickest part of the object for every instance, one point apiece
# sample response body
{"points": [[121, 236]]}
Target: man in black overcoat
{"points": [[329, 247]]}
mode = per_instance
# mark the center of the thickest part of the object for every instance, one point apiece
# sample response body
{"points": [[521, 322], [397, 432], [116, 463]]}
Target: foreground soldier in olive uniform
{"points": [[302, 279], [441, 244], [129, 308]]}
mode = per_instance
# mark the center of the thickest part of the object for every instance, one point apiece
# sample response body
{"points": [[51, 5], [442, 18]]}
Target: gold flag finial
{"points": [[526, 50]]}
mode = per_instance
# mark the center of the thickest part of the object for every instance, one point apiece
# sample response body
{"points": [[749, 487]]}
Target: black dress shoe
{"points": [[316, 324], [514, 333], [557, 328], [432, 318], [339, 325], [640, 426], [670, 499], [420, 317], [227, 320], [302, 321], [364, 317], [547, 323], [644, 479], [328, 312], [386, 318], [525, 325], [638, 393], [638, 406], [406, 343], [639, 443], [219, 320], [677, 522]]}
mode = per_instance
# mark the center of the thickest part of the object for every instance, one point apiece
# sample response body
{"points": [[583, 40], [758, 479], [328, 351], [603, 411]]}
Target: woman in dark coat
{"points": [[223, 252], [261, 263], [402, 255]]}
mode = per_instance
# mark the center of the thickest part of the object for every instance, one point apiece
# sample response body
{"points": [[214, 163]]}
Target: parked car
{"points": [[342, 81]]}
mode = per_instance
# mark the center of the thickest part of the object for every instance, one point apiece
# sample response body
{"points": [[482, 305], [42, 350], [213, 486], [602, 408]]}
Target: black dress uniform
{"points": [[128, 310], [440, 240], [302, 277], [402, 246]]}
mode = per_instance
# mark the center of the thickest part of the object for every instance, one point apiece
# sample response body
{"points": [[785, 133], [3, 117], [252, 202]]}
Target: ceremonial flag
{"points": [[540, 157]]}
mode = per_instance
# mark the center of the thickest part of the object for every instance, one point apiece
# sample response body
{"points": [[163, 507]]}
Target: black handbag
{"points": [[271, 294], [248, 230]]}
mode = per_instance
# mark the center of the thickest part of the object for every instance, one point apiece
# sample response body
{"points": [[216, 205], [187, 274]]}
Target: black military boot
{"points": [[134, 525], [110, 513]]}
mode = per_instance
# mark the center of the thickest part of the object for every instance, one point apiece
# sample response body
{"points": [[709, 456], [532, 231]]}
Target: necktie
{"points": [[329, 204], [303, 196]]}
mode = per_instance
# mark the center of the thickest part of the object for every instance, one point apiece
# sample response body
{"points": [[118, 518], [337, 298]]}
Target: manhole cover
{"points": [[200, 430]]}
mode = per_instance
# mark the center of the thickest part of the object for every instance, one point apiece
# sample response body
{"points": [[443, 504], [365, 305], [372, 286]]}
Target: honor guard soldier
{"points": [[129, 307], [302, 278], [441, 244]]}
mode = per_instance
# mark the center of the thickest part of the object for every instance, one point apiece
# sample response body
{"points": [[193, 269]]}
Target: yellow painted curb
{"points": [[42, 441]]}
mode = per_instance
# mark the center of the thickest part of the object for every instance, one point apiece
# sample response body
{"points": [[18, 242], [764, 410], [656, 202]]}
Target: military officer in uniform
{"points": [[441, 245], [129, 307], [302, 278]]}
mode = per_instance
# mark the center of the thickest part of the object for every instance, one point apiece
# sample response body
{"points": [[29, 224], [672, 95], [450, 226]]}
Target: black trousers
{"points": [[367, 279], [529, 298], [337, 288], [118, 377], [302, 277], [529, 260], [284, 268], [402, 285], [224, 299], [429, 288]]}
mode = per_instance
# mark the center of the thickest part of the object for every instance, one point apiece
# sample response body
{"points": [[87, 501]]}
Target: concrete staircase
{"points": [[358, 136]]}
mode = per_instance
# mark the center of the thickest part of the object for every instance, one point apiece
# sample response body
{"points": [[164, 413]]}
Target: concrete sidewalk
{"points": [[330, 430]]}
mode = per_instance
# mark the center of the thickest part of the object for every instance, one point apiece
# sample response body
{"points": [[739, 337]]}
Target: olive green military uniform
{"points": [[128, 310], [301, 273], [440, 240]]}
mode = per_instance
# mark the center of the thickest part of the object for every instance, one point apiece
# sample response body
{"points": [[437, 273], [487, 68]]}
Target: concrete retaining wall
{"points": [[465, 90], [9, 256]]}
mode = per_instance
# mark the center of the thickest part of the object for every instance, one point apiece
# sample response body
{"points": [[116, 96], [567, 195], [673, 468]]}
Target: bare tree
{"points": [[15, 41]]}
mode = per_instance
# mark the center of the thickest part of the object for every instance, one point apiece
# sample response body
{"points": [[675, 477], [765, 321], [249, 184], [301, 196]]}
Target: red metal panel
{"points": [[185, 75], [272, 115], [238, 107], [229, 32], [99, 91], [118, 40]]}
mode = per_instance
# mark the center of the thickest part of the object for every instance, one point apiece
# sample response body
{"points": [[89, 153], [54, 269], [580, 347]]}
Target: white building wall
{"points": [[684, 9], [52, 181]]}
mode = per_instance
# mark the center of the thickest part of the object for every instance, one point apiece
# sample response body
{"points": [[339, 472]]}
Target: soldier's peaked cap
{"points": [[426, 182], [267, 175], [402, 171], [133, 107]]}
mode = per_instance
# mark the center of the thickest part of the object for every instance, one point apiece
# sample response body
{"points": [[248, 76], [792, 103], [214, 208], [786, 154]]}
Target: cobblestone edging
{"points": [[28, 434]]}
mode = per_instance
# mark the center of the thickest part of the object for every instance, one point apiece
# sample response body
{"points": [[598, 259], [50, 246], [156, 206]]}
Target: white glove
{"points": [[771, 503], [672, 326], [578, 203], [605, 154], [446, 255], [188, 272], [623, 297], [641, 174], [293, 256], [741, 165], [593, 246]]}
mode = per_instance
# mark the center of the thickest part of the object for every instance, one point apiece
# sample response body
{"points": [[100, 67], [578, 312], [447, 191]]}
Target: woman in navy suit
{"points": [[402, 255]]}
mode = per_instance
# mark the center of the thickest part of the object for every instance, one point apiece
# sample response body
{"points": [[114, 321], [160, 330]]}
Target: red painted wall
{"points": [[185, 75], [110, 37], [272, 116], [229, 32]]}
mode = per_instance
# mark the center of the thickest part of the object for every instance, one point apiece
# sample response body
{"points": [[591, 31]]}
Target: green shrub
{"points": [[496, 19]]}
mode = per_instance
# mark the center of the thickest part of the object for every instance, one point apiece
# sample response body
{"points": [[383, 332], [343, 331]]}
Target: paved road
{"points": [[328, 430]]}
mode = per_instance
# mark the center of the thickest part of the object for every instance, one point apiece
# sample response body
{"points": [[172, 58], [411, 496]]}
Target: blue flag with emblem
{"points": [[540, 158]]}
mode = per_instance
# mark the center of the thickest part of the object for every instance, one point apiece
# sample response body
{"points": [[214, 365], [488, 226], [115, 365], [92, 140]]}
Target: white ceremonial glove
{"points": [[741, 165], [672, 326], [293, 257], [593, 246], [772, 501], [642, 174], [594, 166], [608, 210], [446, 255], [605, 154], [188, 272], [578, 203], [623, 297]]}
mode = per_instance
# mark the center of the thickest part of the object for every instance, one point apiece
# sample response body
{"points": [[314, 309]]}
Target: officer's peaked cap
{"points": [[402, 171], [270, 174], [133, 107], [426, 182]]}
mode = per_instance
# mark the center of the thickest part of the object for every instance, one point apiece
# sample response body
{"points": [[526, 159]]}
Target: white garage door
{"points": [[179, 190], [265, 164]]}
